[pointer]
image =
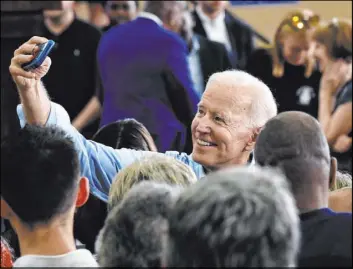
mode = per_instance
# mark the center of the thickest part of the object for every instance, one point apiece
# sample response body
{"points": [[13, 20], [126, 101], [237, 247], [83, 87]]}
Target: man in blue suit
{"points": [[145, 74]]}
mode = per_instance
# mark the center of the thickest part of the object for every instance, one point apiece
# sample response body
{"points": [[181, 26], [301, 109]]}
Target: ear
{"points": [[83, 192], [252, 140], [333, 170], [6, 211]]}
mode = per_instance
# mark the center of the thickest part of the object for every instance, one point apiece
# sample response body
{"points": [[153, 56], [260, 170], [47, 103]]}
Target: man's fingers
{"points": [[17, 71], [37, 40], [21, 59], [26, 49], [30, 46]]}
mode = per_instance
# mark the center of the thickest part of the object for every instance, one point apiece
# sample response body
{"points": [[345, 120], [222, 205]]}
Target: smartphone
{"points": [[44, 50]]}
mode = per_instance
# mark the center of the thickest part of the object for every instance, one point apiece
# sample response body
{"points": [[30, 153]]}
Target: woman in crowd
{"points": [[127, 133], [332, 44], [287, 67]]}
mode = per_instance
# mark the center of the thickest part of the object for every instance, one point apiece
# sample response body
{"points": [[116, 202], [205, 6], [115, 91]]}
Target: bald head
{"points": [[295, 142], [170, 12], [291, 135]]}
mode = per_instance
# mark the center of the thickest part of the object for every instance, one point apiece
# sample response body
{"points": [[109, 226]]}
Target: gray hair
{"points": [[240, 217], [262, 104], [133, 231], [159, 168]]}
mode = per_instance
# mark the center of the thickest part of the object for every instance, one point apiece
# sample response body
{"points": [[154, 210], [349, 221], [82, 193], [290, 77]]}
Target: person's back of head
{"points": [[159, 168], [39, 174], [295, 142], [127, 133], [170, 12], [242, 217], [40, 184], [133, 232]]}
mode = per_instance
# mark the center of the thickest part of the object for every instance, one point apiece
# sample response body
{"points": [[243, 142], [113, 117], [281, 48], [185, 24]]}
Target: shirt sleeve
{"points": [[99, 163]]}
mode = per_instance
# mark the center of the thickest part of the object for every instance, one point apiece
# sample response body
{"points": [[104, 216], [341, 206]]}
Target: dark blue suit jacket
{"points": [[145, 75]]}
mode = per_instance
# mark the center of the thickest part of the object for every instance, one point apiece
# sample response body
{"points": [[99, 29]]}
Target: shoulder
{"points": [[237, 23], [262, 54], [187, 159], [87, 29], [260, 62]]}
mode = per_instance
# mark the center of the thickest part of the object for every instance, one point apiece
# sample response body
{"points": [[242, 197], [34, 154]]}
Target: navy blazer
{"points": [[145, 76]]}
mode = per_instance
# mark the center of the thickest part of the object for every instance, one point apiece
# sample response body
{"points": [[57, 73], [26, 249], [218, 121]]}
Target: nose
{"points": [[203, 126]]}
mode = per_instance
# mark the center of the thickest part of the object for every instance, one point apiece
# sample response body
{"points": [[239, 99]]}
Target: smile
{"points": [[205, 143]]}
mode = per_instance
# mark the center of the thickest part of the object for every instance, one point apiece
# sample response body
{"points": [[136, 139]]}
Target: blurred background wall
{"points": [[265, 18]]}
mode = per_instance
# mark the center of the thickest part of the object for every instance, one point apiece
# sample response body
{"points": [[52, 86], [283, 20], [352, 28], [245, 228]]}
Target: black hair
{"points": [[39, 173], [127, 133]]}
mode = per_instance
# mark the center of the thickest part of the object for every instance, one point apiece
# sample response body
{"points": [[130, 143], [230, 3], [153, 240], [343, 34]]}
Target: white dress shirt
{"points": [[195, 67], [151, 16], [215, 29]]}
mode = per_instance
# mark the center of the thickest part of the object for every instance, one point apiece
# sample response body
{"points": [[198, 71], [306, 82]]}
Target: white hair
{"points": [[263, 105]]}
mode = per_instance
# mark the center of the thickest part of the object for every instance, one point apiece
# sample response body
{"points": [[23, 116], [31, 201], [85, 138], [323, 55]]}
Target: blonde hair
{"points": [[158, 168], [336, 36], [343, 180], [289, 25]]}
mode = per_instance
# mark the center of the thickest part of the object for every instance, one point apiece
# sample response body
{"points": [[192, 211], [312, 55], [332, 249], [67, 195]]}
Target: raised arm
{"points": [[98, 162]]}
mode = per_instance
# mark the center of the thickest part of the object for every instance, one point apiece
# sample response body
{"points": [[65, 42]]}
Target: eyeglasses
{"points": [[299, 22], [120, 6]]}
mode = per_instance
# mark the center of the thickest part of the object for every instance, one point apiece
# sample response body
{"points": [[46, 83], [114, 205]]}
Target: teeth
{"points": [[203, 143]]}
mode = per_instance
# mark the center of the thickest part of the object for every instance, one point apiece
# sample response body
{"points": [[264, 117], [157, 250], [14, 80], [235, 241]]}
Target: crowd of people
{"points": [[166, 139]]}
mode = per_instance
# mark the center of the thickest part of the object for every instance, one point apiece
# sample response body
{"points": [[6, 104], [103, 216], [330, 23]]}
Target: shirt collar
{"points": [[151, 16], [204, 18], [195, 44]]}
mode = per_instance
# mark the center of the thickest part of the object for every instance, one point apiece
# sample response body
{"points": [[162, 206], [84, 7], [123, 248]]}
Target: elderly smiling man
{"points": [[232, 111]]}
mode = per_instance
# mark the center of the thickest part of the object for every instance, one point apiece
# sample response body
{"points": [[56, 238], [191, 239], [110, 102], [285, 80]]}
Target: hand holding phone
{"points": [[44, 50]]}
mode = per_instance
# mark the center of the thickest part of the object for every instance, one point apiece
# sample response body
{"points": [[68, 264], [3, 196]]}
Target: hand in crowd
{"points": [[334, 75], [24, 54], [343, 144]]}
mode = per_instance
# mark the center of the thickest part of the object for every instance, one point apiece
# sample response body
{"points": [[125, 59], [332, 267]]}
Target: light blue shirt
{"points": [[100, 163], [195, 67]]}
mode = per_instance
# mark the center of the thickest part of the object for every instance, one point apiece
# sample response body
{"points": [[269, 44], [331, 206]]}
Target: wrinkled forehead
{"points": [[229, 100]]}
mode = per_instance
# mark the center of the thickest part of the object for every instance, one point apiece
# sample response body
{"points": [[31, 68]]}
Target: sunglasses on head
{"points": [[300, 22], [120, 6]]}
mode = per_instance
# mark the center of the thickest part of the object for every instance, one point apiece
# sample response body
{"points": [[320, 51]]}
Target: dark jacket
{"points": [[213, 57], [240, 37]]}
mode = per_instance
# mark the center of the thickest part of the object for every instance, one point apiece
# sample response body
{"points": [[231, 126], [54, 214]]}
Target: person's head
{"points": [[121, 11], [239, 217], [157, 168], [170, 12], [341, 180], [294, 142], [332, 41], [40, 179], [213, 8], [57, 16], [292, 42], [127, 133], [232, 110], [186, 30], [133, 232]]}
